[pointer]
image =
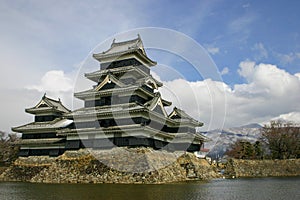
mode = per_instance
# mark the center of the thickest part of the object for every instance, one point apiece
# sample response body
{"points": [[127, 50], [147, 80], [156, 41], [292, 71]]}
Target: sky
{"points": [[255, 46]]}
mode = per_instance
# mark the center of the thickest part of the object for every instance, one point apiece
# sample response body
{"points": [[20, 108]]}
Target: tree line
{"points": [[8, 148], [278, 141]]}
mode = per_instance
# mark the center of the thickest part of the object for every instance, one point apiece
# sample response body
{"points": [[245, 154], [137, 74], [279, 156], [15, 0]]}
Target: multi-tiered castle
{"points": [[123, 108]]}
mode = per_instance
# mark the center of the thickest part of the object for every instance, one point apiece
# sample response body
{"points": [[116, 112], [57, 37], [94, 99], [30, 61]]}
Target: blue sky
{"points": [[233, 30], [42, 39]]}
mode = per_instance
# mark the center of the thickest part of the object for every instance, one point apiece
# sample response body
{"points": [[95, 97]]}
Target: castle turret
{"points": [[39, 137]]}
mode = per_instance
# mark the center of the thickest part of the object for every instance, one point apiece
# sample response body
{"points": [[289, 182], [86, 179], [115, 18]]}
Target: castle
{"points": [[123, 108]]}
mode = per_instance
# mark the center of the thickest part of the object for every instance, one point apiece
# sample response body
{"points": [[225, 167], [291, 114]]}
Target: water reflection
{"points": [[263, 188]]}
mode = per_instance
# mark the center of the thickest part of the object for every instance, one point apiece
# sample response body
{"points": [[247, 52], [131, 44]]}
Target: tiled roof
{"points": [[121, 48], [127, 69], [46, 104], [150, 80], [107, 109], [93, 92], [117, 47], [40, 141], [125, 45], [57, 104], [55, 124], [180, 114]]}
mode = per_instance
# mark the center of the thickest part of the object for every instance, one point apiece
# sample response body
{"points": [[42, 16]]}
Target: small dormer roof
{"points": [[156, 101], [180, 114], [46, 105], [150, 81]]}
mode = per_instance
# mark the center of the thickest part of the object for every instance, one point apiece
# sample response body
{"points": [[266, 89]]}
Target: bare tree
{"points": [[283, 140], [8, 148]]}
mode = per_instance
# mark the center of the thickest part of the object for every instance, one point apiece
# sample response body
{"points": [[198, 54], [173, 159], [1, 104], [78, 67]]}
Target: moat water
{"points": [[246, 189]]}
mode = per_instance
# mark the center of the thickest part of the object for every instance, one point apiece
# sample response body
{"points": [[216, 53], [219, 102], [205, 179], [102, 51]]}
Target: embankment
{"points": [[118, 165], [262, 168]]}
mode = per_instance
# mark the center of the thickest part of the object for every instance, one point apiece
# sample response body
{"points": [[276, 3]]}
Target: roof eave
{"points": [[101, 57], [17, 129], [166, 103], [36, 110]]}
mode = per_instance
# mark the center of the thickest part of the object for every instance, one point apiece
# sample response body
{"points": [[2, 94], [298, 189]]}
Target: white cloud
{"points": [[204, 100], [225, 71], [288, 58], [268, 92], [293, 117], [247, 5], [268, 78], [246, 69], [260, 50], [241, 23], [213, 50], [53, 81], [240, 28], [56, 84]]}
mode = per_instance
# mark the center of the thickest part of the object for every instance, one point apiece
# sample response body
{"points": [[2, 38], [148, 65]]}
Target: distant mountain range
{"points": [[222, 139]]}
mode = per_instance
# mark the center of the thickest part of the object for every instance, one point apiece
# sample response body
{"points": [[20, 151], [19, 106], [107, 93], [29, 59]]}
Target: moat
{"points": [[254, 188]]}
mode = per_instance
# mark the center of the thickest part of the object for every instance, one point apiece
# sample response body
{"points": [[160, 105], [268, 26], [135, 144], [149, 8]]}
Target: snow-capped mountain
{"points": [[221, 139]]}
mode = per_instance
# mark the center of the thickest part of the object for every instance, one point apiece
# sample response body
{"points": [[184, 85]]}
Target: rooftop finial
{"points": [[44, 95], [112, 44]]}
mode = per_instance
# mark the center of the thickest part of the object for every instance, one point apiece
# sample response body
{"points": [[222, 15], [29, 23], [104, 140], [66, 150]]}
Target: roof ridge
{"points": [[51, 101], [114, 43], [48, 98]]}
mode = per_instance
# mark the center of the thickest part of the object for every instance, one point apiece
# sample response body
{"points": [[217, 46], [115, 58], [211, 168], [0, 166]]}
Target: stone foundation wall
{"points": [[262, 168], [118, 165], [2, 169]]}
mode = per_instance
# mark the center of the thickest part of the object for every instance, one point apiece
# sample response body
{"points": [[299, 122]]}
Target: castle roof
{"points": [[178, 114], [40, 141], [48, 125], [118, 49], [47, 104]]}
